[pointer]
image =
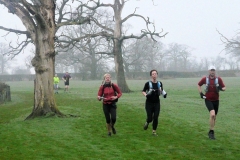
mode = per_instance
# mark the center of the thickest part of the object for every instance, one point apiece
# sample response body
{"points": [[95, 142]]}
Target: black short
{"points": [[212, 105], [66, 83]]}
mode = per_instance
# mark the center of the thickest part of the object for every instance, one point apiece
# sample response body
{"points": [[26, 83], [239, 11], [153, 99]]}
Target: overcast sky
{"points": [[189, 22], [193, 22]]}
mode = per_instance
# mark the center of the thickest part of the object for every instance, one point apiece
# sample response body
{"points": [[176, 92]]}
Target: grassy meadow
{"points": [[182, 130]]}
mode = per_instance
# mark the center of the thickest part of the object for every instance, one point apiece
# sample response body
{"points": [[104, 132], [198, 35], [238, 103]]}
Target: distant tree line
{"points": [[129, 75], [141, 56]]}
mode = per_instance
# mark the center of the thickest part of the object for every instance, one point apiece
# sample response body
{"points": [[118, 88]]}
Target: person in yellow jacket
{"points": [[55, 82]]}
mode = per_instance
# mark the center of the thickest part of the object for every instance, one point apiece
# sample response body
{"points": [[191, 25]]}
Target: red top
{"points": [[212, 94], [109, 92]]}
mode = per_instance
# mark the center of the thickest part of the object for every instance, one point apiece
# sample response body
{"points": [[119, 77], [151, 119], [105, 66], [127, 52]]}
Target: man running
{"points": [[66, 79], [213, 84]]}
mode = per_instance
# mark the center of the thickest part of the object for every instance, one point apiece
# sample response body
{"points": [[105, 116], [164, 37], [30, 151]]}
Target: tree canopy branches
{"points": [[232, 46]]}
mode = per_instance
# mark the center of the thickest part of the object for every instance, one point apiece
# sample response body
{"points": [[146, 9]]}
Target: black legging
{"points": [[153, 111], [110, 113]]}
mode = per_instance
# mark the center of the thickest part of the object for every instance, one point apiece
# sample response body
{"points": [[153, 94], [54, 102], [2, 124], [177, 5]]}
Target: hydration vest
{"points": [[158, 84], [208, 83]]}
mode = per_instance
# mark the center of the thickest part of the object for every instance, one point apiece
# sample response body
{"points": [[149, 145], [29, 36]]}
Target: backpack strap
{"points": [[208, 82], [216, 84], [102, 90], [159, 88], [216, 81], [151, 87], [113, 87], [159, 85], [115, 92], [150, 84]]}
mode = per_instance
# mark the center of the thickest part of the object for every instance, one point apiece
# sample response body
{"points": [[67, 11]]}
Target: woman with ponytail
{"points": [[109, 93]]}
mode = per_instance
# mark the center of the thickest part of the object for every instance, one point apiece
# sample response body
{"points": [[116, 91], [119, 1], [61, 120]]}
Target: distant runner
{"points": [[66, 78]]}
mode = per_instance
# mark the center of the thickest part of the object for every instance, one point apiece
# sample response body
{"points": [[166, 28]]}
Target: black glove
{"points": [[201, 95], [165, 96], [220, 88]]}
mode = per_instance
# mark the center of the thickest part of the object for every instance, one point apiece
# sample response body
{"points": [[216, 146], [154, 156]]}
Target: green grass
{"points": [[182, 130]]}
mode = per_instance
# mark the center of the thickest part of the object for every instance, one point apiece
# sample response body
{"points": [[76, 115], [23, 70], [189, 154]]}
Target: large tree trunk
{"points": [[118, 59], [44, 101], [43, 62], [117, 49]]}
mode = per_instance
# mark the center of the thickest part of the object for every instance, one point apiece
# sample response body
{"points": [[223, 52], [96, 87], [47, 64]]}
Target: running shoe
{"points": [[114, 130], [211, 136], [145, 127], [154, 134]]}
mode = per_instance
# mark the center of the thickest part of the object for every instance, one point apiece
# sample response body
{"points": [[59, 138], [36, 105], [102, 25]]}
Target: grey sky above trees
{"points": [[192, 23], [188, 22]]}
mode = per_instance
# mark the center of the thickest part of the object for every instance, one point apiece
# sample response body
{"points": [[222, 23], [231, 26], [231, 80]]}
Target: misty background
{"points": [[192, 42]]}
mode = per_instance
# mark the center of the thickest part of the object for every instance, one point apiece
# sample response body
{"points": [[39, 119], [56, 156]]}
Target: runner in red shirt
{"points": [[213, 84]]}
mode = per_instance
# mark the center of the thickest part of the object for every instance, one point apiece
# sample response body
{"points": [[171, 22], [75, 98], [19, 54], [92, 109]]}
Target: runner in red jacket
{"points": [[109, 93]]}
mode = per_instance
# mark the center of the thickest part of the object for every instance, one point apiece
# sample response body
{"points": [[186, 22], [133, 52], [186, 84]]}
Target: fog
{"points": [[192, 23]]}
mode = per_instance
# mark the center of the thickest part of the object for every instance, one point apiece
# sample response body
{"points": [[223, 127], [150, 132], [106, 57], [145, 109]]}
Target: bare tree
{"points": [[86, 52], [174, 56], [39, 20], [4, 60], [156, 56], [178, 56], [218, 62], [232, 46], [185, 54], [232, 63], [135, 52], [205, 63], [38, 17], [116, 35], [21, 70]]}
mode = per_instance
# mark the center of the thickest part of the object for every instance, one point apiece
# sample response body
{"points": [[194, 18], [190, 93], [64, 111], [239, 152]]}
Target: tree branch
{"points": [[98, 5], [20, 48], [226, 39], [15, 31], [232, 46], [72, 17], [86, 36], [144, 33], [107, 53], [103, 27], [79, 22], [17, 8], [29, 7]]}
